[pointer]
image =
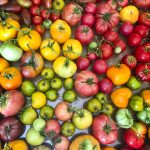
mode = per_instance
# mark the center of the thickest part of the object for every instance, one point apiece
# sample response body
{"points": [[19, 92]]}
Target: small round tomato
{"points": [[50, 49], [36, 20], [8, 29], [3, 64], [29, 39], [45, 14], [40, 29], [34, 10], [10, 78]]}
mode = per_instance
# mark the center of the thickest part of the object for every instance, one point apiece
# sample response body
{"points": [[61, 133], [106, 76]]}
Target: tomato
{"points": [[88, 19], [141, 4], [72, 13], [143, 71], [111, 36], [36, 2], [142, 30], [120, 97], [64, 67], [3, 64], [112, 3], [50, 49], [90, 8], [144, 18], [35, 10], [126, 28], [55, 15], [40, 29], [119, 73], [60, 31], [83, 63], [45, 13], [8, 29], [146, 96], [122, 3], [37, 20], [72, 49], [106, 18], [84, 34], [129, 14], [29, 39], [47, 3], [84, 140], [120, 46], [10, 78], [142, 53], [135, 136], [104, 129], [58, 5], [86, 83]]}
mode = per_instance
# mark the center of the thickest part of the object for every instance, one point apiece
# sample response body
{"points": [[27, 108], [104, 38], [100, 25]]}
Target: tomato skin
{"points": [[122, 3], [121, 44], [141, 4], [36, 2], [111, 36], [112, 3], [90, 8], [10, 78], [34, 10], [144, 18], [40, 29], [142, 30], [99, 125], [37, 20], [83, 87], [54, 16], [45, 14]]}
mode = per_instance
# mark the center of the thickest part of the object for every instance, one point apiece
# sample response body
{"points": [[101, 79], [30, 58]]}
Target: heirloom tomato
{"points": [[8, 29], [60, 31], [29, 39], [144, 18], [141, 4], [146, 96], [3, 64], [50, 49]]}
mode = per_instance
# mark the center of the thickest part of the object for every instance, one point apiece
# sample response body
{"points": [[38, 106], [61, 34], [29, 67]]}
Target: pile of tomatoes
{"points": [[74, 75]]}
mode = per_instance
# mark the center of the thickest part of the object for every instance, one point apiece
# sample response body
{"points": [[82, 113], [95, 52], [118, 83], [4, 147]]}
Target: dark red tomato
{"points": [[142, 71], [141, 3], [88, 19], [34, 10], [100, 66], [40, 29], [45, 13], [126, 148], [106, 51], [122, 3], [144, 18], [134, 39], [54, 16], [92, 56], [142, 53], [36, 2], [120, 46], [104, 129], [111, 36], [47, 3], [37, 20], [130, 61], [84, 34], [112, 3], [142, 30], [105, 85], [82, 63], [90, 8], [126, 28]]}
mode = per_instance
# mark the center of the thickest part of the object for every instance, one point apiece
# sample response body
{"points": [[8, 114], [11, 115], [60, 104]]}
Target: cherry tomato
{"points": [[40, 29], [36, 20]]}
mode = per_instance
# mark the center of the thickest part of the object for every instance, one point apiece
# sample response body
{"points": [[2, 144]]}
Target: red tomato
{"points": [[47, 3], [37, 20], [106, 18], [84, 34], [111, 36], [86, 83], [72, 13], [120, 46], [122, 3], [45, 13], [144, 18], [88, 19], [34, 10], [143, 71], [104, 129], [40, 29], [90, 8], [112, 3], [36, 2], [141, 3], [92, 56], [126, 28], [142, 53], [54, 16], [142, 30], [83, 63]]}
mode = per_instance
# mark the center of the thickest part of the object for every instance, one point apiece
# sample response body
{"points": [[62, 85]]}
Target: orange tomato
{"points": [[119, 74], [3, 64], [120, 97], [146, 96], [108, 148], [10, 78]]}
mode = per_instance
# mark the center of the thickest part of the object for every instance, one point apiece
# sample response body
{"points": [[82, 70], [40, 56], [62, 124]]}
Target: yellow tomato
{"points": [[29, 39], [38, 100], [17, 145], [60, 31], [3, 64], [50, 49], [129, 14], [8, 29], [72, 49]]}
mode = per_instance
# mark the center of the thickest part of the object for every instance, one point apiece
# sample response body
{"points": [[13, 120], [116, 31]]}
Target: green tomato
{"points": [[52, 95], [56, 83], [82, 119], [101, 97], [68, 129], [43, 85], [47, 112], [28, 116], [93, 46], [69, 96], [47, 73], [28, 88], [39, 124], [58, 5], [133, 83], [68, 83], [93, 105], [136, 103], [33, 137], [47, 23], [124, 118], [107, 109]]}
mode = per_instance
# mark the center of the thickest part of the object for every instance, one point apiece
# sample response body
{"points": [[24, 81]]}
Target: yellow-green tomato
{"points": [[58, 4]]}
